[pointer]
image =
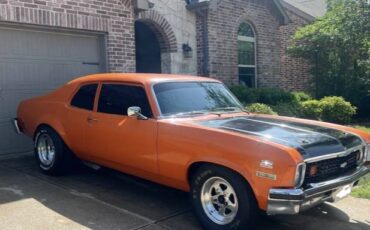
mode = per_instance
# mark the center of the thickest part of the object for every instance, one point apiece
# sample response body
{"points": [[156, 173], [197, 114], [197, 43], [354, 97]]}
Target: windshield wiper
{"points": [[192, 113], [227, 109]]}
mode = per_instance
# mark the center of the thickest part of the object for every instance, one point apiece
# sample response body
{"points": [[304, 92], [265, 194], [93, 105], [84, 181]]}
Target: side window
{"points": [[84, 98], [116, 99]]}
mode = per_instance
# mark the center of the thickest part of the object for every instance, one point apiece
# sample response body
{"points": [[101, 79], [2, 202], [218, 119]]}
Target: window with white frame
{"points": [[247, 55]]}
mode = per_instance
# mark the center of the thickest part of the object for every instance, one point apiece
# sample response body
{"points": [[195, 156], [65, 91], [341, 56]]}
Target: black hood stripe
{"points": [[293, 128], [266, 137], [310, 140]]}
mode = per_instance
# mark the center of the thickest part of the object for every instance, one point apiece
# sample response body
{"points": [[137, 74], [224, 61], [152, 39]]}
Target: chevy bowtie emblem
{"points": [[343, 165]]}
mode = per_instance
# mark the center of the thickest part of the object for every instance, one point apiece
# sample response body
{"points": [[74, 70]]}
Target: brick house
{"points": [[45, 43], [245, 41]]}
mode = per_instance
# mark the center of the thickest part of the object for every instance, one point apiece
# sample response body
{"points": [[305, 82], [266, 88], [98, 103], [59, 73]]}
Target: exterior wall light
{"points": [[187, 50]]}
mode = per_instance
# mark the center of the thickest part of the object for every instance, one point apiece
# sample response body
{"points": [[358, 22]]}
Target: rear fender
{"points": [[54, 124]]}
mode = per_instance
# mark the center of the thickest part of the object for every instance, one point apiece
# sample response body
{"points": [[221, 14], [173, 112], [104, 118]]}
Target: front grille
{"points": [[331, 168]]}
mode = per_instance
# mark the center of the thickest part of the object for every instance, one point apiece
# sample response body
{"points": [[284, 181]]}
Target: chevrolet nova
{"points": [[192, 134]]}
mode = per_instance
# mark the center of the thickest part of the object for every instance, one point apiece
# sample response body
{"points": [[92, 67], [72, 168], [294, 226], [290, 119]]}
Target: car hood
{"points": [[310, 140]]}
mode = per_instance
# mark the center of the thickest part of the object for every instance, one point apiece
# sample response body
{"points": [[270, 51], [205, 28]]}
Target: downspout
{"points": [[205, 43]]}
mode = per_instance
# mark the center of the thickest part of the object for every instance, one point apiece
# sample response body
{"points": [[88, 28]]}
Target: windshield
{"points": [[195, 98]]}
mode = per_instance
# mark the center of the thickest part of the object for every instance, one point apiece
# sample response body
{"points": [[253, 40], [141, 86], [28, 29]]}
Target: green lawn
{"points": [[363, 189]]}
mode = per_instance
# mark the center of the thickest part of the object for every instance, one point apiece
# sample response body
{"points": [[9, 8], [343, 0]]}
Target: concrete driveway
{"points": [[88, 199]]}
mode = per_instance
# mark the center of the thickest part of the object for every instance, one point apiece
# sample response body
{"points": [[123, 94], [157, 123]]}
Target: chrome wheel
{"points": [[219, 200], [46, 150]]}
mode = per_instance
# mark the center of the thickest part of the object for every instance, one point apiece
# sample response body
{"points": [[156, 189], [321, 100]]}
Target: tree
{"points": [[338, 46]]}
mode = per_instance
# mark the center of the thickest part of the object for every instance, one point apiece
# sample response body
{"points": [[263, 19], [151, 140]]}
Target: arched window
{"points": [[247, 55]]}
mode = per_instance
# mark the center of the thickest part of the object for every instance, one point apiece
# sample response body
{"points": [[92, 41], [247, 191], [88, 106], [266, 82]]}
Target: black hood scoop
{"points": [[310, 140]]}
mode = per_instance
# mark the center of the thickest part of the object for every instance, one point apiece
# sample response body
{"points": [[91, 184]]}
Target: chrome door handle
{"points": [[92, 120]]}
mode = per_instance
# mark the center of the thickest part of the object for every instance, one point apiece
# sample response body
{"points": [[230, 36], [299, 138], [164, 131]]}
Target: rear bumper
{"points": [[293, 201], [16, 126]]}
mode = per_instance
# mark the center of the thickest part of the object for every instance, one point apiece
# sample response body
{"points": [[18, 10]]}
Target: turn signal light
{"points": [[313, 170]]}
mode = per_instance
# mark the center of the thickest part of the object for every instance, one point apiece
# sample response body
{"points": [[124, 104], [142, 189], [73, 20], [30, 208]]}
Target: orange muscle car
{"points": [[192, 134]]}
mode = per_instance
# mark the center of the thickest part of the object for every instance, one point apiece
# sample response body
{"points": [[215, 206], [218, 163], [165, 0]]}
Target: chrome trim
{"points": [[16, 126], [293, 201], [302, 173], [334, 155]]}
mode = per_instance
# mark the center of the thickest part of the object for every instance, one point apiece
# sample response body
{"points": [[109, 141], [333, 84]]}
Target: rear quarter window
{"points": [[85, 97]]}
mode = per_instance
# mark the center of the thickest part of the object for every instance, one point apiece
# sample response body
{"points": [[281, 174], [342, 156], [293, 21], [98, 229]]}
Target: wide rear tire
{"points": [[222, 199], [52, 155]]}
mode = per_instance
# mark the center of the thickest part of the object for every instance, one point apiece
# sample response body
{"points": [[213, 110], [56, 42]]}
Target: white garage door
{"points": [[33, 62]]}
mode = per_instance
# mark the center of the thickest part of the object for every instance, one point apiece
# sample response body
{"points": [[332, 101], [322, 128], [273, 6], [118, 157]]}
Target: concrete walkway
{"points": [[105, 200]]}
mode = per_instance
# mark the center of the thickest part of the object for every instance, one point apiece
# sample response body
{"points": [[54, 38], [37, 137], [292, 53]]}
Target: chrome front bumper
{"points": [[293, 201]]}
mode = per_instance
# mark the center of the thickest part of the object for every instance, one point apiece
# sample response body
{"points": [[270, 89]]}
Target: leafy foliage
{"points": [[331, 109], [301, 96], [312, 109], [295, 104], [339, 42], [337, 110], [260, 108], [270, 96], [288, 109]]}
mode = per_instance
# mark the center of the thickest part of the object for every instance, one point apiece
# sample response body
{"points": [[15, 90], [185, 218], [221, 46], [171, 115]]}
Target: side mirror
{"points": [[135, 111]]}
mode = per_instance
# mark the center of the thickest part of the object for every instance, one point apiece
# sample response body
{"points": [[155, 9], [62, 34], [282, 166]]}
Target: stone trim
{"points": [[162, 29]]}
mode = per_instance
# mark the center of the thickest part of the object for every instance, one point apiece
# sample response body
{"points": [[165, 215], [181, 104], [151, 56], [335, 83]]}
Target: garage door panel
{"points": [[9, 101], [22, 74], [43, 45], [13, 143], [34, 62]]}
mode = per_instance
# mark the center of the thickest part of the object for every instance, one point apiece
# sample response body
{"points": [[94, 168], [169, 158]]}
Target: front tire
{"points": [[222, 199], [50, 151]]}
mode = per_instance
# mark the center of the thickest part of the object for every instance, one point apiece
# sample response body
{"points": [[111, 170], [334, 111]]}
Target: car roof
{"points": [[140, 78]]}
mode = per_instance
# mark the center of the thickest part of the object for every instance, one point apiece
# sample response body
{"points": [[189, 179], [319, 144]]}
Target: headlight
{"points": [[299, 175]]}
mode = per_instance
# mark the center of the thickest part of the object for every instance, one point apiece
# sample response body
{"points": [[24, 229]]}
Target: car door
{"points": [[78, 111], [120, 141]]}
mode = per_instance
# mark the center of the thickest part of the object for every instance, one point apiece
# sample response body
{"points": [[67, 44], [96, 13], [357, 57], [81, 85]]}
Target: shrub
{"points": [[311, 109], [261, 95], [274, 96], [288, 109], [337, 110], [330, 109], [295, 104], [244, 94], [301, 97], [260, 108]]}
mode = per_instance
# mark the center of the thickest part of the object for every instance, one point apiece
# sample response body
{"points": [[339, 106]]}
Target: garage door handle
{"points": [[92, 120], [90, 63]]}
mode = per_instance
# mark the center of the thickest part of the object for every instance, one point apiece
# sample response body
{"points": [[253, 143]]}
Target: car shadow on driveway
{"points": [[105, 199]]}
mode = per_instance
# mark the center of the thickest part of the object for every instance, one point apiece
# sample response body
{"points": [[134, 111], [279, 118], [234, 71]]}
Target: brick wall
{"points": [[223, 23], [295, 72], [114, 17]]}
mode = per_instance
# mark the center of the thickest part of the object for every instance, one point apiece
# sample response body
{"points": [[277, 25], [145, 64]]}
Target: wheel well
{"points": [[40, 126], [195, 166]]}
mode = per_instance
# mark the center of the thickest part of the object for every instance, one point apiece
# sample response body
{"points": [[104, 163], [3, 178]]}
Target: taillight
{"points": [[21, 125]]}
